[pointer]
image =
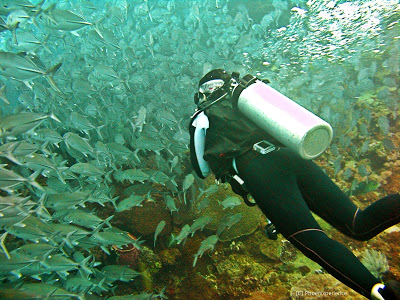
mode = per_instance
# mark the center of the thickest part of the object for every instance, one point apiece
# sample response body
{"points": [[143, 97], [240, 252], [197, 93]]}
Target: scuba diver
{"points": [[236, 134]]}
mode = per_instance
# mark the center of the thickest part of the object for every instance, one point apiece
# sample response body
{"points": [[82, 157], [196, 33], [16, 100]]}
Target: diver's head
{"points": [[210, 83]]}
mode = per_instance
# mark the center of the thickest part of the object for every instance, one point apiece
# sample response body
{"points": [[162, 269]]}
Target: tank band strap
{"points": [[244, 83]]}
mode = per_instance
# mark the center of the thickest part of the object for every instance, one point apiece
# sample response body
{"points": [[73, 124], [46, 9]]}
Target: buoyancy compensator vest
{"points": [[229, 135]]}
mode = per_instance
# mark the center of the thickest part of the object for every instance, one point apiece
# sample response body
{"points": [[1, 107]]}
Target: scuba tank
{"points": [[288, 122]]}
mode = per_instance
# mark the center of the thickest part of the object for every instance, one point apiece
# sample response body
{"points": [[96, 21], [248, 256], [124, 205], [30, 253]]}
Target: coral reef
{"points": [[376, 262], [128, 255], [251, 218], [143, 220]]}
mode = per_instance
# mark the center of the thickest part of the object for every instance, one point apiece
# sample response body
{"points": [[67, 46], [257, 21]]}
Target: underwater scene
{"points": [[98, 199]]}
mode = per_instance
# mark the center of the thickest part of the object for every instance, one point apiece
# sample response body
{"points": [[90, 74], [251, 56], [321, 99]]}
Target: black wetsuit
{"points": [[287, 188]]}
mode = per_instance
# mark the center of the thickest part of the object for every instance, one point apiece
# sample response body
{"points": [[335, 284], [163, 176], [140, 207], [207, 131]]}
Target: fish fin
{"points": [[28, 84], [42, 211], [96, 26], [16, 273], [172, 240], [37, 13], [9, 154], [106, 221], [67, 240], [44, 44], [84, 264], [3, 94], [50, 79], [195, 259], [105, 249], [53, 69], [32, 182], [52, 116], [3, 246], [98, 131]]}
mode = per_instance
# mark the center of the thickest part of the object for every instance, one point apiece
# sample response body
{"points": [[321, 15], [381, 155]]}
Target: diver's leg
{"points": [[273, 184], [378, 216], [325, 198]]}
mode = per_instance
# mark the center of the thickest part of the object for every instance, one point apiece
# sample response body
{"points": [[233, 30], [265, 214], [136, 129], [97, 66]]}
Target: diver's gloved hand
{"points": [[238, 188]]}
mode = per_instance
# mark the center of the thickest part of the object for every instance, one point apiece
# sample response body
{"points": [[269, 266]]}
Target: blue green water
{"points": [[121, 101]]}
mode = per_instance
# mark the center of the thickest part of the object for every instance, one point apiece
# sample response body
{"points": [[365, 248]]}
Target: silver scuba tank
{"points": [[288, 122]]}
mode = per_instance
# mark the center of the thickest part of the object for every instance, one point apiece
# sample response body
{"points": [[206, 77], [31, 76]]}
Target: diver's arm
{"points": [[199, 144], [198, 130]]}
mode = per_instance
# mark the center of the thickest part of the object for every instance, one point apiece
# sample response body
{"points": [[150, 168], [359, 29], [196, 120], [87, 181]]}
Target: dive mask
{"points": [[208, 88]]}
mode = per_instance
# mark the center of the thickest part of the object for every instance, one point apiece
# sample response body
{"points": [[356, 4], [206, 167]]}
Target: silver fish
{"points": [[81, 123], [67, 200], [117, 272], [80, 217], [86, 169], [187, 183], [207, 244], [32, 229], [182, 236], [170, 202], [30, 43], [199, 224], [228, 222], [161, 178], [15, 264], [43, 290], [26, 67], [10, 181], [135, 175], [120, 151], [140, 119], [35, 251], [174, 163], [231, 202], [69, 234], [13, 150], [80, 144], [14, 206], [15, 19], [115, 236], [8, 6], [111, 237], [64, 20], [209, 191], [131, 201], [40, 163], [159, 228], [12, 125], [48, 135], [62, 265], [82, 284]]}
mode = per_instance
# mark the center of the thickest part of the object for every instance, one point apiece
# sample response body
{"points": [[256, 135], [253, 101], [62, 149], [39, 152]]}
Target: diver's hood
{"points": [[211, 86], [215, 74]]}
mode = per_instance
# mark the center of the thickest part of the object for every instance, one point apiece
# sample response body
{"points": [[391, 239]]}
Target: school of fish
{"points": [[90, 91]]}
